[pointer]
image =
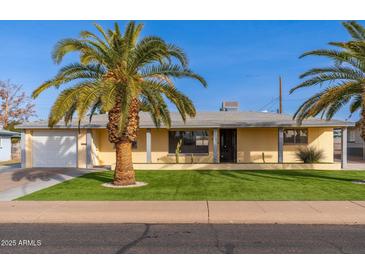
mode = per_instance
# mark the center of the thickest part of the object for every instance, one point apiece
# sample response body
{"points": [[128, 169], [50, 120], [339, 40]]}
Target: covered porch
{"points": [[250, 148]]}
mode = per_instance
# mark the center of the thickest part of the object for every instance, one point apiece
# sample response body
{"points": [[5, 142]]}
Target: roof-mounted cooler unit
{"points": [[230, 106]]}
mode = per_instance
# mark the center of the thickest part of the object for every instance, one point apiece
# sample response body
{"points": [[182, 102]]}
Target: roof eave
{"points": [[264, 125]]}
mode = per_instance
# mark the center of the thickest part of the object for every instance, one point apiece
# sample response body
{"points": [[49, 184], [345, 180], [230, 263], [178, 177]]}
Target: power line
{"points": [[269, 103]]}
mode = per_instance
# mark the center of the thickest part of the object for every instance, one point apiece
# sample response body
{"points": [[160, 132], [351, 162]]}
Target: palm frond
{"points": [[320, 79], [66, 46], [175, 71], [89, 35], [70, 113], [65, 102], [342, 72], [356, 31], [149, 50], [154, 103], [115, 68], [108, 97], [179, 54], [328, 101], [345, 80], [184, 105], [71, 73], [87, 98], [103, 33], [356, 103], [96, 107]]}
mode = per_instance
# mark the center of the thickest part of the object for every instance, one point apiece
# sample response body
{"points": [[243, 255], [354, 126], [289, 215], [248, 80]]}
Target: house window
{"points": [[195, 141], [351, 135], [295, 136]]}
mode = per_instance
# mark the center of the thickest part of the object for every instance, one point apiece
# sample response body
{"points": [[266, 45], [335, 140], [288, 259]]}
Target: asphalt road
{"points": [[180, 238]]}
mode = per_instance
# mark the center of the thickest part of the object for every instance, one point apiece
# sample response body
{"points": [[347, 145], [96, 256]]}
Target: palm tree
{"points": [[341, 83], [121, 74]]}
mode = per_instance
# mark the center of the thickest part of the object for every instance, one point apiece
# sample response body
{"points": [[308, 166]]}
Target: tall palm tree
{"points": [[121, 74], [341, 83]]}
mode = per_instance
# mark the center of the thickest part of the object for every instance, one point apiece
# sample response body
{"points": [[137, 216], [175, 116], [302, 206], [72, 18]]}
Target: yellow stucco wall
{"points": [[103, 152], [95, 154], [257, 145], [254, 145], [159, 145], [139, 154], [320, 138]]}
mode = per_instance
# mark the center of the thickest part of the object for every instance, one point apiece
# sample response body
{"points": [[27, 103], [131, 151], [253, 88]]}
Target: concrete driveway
{"points": [[18, 182], [8, 167]]}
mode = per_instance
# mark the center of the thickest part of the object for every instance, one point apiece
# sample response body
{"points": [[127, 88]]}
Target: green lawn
{"points": [[214, 185]]}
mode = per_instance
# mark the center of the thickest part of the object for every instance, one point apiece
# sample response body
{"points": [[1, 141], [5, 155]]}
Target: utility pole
{"points": [[280, 96]]}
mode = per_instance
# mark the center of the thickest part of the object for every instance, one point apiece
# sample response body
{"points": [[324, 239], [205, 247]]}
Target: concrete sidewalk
{"points": [[258, 212]]}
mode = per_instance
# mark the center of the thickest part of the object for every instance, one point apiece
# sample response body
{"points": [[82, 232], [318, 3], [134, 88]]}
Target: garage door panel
{"points": [[54, 149]]}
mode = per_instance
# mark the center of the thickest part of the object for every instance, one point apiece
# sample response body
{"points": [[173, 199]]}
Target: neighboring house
{"points": [[6, 144], [210, 137], [355, 144]]}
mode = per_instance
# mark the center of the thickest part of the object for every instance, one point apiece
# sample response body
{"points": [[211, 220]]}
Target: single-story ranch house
{"points": [[230, 139], [5, 143]]}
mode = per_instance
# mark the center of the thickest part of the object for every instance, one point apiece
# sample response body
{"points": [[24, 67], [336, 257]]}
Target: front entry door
{"points": [[228, 148]]}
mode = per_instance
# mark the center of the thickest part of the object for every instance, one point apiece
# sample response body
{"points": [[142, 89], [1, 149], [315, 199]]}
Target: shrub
{"points": [[309, 154]]}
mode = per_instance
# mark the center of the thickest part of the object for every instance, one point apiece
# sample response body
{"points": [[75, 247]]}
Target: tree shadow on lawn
{"points": [[277, 175], [239, 176], [102, 177], [234, 176], [216, 175], [342, 176]]}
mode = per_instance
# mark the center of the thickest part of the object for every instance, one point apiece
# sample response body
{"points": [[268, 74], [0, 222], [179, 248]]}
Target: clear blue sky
{"points": [[241, 60]]}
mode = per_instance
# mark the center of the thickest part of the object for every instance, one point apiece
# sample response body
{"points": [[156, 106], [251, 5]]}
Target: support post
{"points": [[215, 146], [148, 145], [22, 150], [344, 147], [280, 145], [88, 149]]}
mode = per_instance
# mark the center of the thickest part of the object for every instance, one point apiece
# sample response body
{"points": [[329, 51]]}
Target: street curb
{"points": [[185, 212]]}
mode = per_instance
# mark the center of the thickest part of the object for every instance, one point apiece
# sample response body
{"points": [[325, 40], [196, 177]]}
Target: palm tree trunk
{"points": [[124, 172]]}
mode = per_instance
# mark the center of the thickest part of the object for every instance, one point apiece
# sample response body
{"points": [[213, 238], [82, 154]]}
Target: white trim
{"points": [[23, 150], [148, 145], [344, 148]]}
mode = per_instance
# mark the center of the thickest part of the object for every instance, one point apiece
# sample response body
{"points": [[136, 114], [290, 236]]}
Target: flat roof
{"points": [[218, 119]]}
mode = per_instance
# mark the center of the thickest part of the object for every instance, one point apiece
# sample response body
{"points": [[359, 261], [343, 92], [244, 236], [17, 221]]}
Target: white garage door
{"points": [[54, 148]]}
